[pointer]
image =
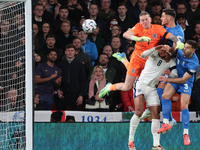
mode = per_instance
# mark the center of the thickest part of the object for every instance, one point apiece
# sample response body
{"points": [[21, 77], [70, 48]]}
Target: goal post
{"points": [[16, 75]]}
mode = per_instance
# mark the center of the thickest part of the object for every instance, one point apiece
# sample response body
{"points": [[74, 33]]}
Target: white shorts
{"points": [[150, 93]]}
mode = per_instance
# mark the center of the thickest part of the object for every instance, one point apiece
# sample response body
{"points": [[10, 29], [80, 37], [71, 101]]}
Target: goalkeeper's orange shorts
{"points": [[136, 65]]}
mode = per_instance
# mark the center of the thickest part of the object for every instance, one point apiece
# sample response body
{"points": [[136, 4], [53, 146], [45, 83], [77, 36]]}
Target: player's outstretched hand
{"points": [[162, 78], [179, 45], [144, 39], [167, 72]]}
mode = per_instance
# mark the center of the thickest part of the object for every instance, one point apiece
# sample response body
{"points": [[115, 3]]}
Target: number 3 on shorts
{"points": [[186, 86]]}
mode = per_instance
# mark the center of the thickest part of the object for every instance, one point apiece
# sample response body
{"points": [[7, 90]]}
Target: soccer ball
{"points": [[89, 25]]}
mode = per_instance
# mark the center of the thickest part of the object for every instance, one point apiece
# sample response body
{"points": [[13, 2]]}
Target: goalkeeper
{"points": [[146, 35]]}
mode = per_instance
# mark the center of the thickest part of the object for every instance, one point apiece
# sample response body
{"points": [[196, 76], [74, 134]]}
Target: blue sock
{"points": [[160, 92], [166, 108], [185, 118]]}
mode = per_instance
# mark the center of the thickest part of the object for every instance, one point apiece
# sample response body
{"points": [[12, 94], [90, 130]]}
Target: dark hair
{"points": [[50, 35], [116, 37], [37, 5], [52, 50], [65, 21], [170, 12], [36, 93], [63, 7], [181, 3], [193, 43], [156, 15], [117, 25], [163, 42], [70, 46], [197, 22], [122, 4], [103, 54], [76, 38]]}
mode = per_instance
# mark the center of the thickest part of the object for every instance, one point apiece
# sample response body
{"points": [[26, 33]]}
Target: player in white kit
{"points": [[145, 89]]}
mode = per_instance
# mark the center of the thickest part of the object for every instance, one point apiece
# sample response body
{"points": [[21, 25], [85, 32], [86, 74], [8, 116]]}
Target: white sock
{"points": [[155, 126], [133, 126], [166, 121], [185, 131]]}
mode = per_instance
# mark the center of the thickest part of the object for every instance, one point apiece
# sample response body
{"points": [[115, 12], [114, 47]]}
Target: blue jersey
{"points": [[177, 31], [186, 64]]}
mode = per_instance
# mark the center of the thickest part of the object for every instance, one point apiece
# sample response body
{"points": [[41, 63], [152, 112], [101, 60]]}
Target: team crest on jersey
{"points": [[154, 35], [133, 27], [133, 71]]}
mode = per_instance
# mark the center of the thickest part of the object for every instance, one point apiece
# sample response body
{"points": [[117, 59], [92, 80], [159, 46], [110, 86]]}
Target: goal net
{"points": [[13, 98]]}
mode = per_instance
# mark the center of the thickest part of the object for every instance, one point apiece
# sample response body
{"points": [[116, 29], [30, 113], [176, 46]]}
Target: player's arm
{"points": [[130, 36], [149, 52], [39, 80], [179, 44], [182, 80]]}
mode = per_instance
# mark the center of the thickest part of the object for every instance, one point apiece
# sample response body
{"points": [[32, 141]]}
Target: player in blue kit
{"points": [[186, 64], [168, 21]]}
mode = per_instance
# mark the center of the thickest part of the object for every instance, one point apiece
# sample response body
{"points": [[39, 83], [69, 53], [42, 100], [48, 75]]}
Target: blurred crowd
{"points": [[71, 66]]}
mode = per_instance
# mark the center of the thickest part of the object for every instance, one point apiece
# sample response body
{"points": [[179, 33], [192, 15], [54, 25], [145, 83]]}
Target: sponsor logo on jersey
{"points": [[154, 35]]}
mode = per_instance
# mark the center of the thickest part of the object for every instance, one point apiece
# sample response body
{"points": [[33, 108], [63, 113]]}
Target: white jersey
{"points": [[154, 68]]}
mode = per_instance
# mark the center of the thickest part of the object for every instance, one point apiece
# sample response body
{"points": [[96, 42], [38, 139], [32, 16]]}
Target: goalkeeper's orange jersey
{"points": [[156, 33]]}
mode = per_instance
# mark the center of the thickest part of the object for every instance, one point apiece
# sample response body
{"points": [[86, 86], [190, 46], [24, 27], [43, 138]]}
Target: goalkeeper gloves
{"points": [[179, 45], [140, 39]]}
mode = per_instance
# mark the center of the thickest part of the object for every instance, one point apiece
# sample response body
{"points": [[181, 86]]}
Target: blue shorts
{"points": [[183, 88]]}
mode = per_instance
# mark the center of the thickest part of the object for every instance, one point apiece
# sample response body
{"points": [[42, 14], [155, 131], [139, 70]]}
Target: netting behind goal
{"points": [[12, 75]]}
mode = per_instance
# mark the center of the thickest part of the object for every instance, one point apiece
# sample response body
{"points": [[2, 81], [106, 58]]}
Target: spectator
{"points": [[193, 11], [96, 38], [38, 16], [116, 32], [74, 31], [62, 16], [73, 83], [48, 75], [37, 104], [156, 7], [156, 19], [36, 40], [132, 5], [50, 45], [116, 45], [109, 71], [112, 21], [64, 37], [39, 58], [93, 11], [47, 14], [87, 46], [181, 9], [97, 82], [19, 52], [46, 28], [81, 56], [198, 50], [106, 12], [18, 21], [113, 62], [125, 20], [142, 7], [189, 31], [76, 10], [70, 119], [56, 116], [82, 19], [12, 102], [53, 4], [197, 30]]}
